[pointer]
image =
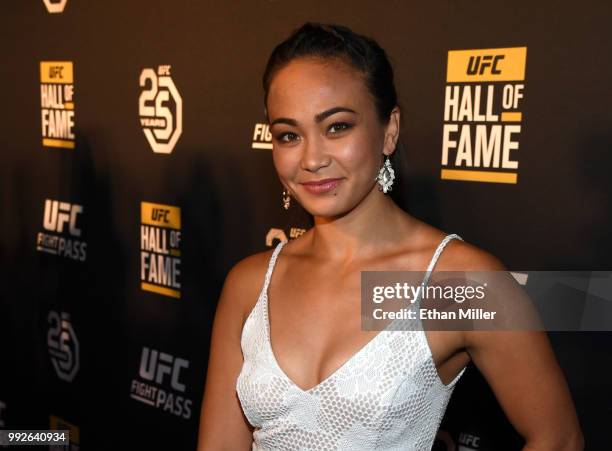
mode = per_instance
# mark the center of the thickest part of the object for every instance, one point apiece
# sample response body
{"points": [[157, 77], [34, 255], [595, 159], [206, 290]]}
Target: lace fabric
{"points": [[387, 396]]}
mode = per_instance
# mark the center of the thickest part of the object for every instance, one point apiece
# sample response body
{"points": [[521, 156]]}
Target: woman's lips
{"points": [[321, 186]]}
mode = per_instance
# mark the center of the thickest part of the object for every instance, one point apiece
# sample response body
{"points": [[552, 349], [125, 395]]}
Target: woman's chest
{"points": [[392, 371], [316, 326]]}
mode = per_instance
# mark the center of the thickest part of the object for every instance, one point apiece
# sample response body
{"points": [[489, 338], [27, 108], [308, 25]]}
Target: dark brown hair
{"points": [[335, 41]]}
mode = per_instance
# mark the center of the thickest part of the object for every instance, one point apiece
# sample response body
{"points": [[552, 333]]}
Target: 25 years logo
{"points": [[63, 345], [160, 108]]}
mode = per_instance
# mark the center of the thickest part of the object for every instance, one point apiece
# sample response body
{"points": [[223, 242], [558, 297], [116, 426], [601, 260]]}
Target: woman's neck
{"points": [[375, 223]]}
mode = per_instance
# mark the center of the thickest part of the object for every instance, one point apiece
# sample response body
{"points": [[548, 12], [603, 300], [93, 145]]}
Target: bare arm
{"points": [[222, 422], [522, 370]]}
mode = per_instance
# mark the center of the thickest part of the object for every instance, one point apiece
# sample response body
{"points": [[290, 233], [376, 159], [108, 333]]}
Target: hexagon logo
{"points": [[55, 6], [160, 108], [63, 345]]}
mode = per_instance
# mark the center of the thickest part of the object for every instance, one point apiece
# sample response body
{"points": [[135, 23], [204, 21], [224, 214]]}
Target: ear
{"points": [[392, 131]]}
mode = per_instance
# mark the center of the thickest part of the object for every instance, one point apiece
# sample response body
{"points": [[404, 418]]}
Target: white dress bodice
{"points": [[387, 396]]}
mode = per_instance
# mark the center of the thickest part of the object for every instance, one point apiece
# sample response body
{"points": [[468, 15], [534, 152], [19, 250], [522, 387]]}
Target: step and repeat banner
{"points": [[136, 170]]}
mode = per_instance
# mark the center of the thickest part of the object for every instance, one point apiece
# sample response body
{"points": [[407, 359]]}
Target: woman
{"points": [[283, 364]]}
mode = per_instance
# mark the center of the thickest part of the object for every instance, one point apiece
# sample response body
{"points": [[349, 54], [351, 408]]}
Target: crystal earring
{"points": [[286, 199], [385, 176]]}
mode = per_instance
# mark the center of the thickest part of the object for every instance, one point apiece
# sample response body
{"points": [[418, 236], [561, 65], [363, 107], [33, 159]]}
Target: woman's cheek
{"points": [[287, 164], [358, 156]]}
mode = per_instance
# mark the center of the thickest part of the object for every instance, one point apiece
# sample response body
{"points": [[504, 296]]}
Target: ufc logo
{"points": [[158, 214], [469, 439], [56, 71], [155, 366], [58, 214], [478, 65], [163, 70]]}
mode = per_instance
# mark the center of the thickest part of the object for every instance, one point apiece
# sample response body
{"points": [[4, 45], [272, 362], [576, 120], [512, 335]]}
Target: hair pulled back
{"points": [[338, 42]]}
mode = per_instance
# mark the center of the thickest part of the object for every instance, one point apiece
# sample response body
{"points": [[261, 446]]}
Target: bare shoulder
{"points": [[459, 255], [249, 269], [244, 281], [221, 410]]}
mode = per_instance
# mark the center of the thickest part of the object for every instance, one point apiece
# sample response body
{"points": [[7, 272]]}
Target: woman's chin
{"points": [[326, 211]]}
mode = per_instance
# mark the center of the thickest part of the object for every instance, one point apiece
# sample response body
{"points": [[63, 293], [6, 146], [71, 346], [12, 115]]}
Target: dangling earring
{"points": [[286, 199], [385, 176]]}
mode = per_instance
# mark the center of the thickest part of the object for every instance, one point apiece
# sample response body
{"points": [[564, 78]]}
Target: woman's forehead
{"points": [[314, 84]]}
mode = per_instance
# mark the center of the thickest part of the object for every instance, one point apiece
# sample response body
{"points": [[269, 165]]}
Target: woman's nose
{"points": [[314, 155]]}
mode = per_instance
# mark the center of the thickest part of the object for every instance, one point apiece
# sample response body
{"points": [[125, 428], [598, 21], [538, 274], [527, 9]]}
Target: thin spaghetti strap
{"points": [[271, 264], [436, 254], [439, 250]]}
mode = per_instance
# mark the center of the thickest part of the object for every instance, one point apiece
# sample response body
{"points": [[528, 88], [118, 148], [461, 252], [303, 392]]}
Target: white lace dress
{"points": [[387, 396]]}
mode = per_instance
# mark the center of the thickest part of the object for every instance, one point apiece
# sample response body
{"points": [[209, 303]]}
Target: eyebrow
{"points": [[318, 117]]}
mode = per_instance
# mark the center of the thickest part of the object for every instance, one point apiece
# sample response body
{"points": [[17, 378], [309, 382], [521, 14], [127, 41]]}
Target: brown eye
{"points": [[287, 137], [338, 127]]}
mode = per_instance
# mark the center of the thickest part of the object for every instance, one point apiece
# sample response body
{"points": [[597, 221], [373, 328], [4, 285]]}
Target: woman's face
{"points": [[324, 125]]}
